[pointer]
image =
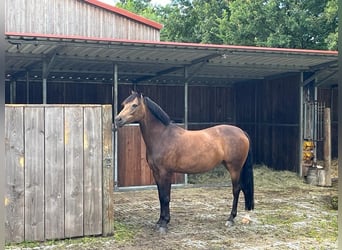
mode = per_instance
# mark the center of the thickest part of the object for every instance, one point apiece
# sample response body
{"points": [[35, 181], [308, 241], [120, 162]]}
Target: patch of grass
{"points": [[282, 219], [334, 202], [123, 232], [88, 240], [25, 244], [324, 229]]}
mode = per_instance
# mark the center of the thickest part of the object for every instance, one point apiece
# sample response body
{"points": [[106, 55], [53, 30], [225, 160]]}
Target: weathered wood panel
{"points": [[129, 158], [73, 18], [54, 173], [34, 174], [74, 213], [107, 172], [55, 160], [14, 199], [92, 146]]}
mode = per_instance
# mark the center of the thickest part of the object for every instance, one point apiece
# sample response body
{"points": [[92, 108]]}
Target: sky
{"points": [[160, 2]]}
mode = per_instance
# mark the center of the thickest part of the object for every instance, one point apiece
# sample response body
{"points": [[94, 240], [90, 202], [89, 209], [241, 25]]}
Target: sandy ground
{"points": [[289, 214]]}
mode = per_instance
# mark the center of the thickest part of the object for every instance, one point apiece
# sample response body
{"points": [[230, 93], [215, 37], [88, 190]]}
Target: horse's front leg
{"points": [[163, 181]]}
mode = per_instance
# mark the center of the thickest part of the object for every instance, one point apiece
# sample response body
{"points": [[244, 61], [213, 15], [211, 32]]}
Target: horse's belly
{"points": [[197, 163]]}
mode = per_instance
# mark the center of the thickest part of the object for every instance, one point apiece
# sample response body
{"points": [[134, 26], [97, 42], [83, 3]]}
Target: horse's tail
{"points": [[247, 180]]}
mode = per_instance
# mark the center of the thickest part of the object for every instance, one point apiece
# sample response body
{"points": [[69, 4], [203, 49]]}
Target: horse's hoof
{"points": [[162, 230], [229, 223]]}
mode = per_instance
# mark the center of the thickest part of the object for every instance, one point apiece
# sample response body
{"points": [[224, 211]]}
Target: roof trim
{"points": [[237, 48], [125, 13]]}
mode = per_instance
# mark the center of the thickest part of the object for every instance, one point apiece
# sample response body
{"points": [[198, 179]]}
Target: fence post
{"points": [[107, 180]]}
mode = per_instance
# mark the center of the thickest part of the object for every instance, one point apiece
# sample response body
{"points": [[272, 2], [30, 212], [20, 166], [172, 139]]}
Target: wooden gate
{"points": [[133, 169], [59, 172]]}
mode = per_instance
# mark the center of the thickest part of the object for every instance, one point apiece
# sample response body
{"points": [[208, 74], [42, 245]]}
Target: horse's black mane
{"points": [[157, 111]]}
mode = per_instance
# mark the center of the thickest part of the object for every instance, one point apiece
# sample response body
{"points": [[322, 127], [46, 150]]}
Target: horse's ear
{"points": [[133, 92]]}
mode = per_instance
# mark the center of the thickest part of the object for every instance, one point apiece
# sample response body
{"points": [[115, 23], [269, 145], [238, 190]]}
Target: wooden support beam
{"points": [[327, 144], [324, 175], [115, 132], [13, 91]]}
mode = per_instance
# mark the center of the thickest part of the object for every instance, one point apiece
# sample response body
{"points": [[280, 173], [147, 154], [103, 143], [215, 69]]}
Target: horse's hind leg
{"points": [[236, 194]]}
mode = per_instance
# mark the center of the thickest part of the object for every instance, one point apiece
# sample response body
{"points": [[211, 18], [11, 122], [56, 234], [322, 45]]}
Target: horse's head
{"points": [[132, 111]]}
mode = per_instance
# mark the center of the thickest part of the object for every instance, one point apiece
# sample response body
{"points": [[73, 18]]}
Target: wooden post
{"points": [[107, 171], [186, 109], [27, 87], [324, 175], [115, 132], [301, 131], [13, 92]]}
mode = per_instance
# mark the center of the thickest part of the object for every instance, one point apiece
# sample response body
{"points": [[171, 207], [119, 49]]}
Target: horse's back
{"points": [[227, 132], [234, 141]]}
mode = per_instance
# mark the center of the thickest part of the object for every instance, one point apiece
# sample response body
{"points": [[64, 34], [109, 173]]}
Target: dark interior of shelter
{"points": [[266, 109]]}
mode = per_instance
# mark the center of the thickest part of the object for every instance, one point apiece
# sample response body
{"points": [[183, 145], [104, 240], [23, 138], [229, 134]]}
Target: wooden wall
{"points": [[57, 183], [269, 111], [73, 18]]}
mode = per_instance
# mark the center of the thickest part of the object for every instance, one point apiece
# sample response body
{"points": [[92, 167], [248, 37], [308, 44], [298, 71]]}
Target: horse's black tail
{"points": [[247, 180]]}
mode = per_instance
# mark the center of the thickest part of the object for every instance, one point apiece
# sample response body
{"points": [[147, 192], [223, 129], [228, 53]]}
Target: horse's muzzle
{"points": [[119, 121]]}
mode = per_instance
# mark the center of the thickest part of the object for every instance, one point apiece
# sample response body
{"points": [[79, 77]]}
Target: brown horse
{"points": [[170, 149]]}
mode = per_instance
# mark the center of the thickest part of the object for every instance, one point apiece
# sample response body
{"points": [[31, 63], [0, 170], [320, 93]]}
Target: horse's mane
{"points": [[157, 111]]}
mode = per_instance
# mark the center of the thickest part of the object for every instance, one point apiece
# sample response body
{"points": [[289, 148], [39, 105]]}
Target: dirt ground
{"points": [[289, 214]]}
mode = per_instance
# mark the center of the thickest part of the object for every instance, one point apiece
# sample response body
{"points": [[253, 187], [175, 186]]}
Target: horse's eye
{"points": [[134, 105]]}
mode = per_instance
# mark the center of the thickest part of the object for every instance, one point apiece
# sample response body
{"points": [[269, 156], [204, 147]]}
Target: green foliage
{"points": [[308, 24], [279, 23], [122, 232]]}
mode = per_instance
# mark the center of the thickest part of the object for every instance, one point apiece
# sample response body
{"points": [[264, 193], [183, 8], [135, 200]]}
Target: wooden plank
{"points": [[92, 146], [54, 173], [34, 173], [107, 172], [146, 172], [325, 178], [73, 140], [15, 163], [129, 156]]}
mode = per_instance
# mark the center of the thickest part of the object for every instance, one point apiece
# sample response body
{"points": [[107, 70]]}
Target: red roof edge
{"points": [[176, 44], [125, 13]]}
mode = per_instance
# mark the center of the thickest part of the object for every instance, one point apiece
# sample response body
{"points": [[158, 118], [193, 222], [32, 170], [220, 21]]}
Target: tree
{"points": [[308, 24], [278, 23], [330, 14], [141, 7], [179, 21]]}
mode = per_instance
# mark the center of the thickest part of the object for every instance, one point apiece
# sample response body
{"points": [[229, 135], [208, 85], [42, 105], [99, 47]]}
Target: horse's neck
{"points": [[151, 129]]}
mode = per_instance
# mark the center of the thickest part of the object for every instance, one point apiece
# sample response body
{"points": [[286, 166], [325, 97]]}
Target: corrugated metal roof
{"points": [[91, 59]]}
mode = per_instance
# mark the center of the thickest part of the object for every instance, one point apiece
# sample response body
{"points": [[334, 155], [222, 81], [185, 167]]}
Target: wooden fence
{"points": [[59, 171]]}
